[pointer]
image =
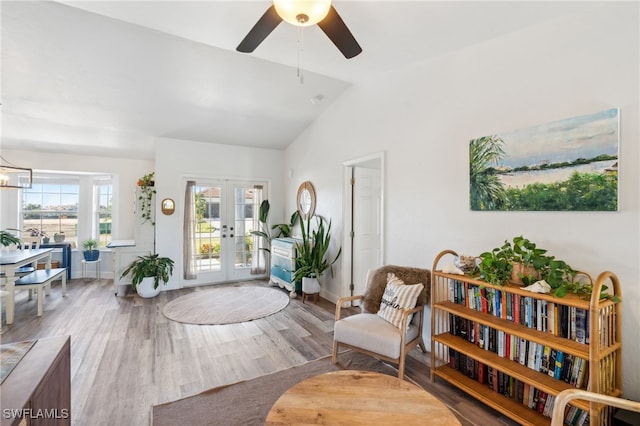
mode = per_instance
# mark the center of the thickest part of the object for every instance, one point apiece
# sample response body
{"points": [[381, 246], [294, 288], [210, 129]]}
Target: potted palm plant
{"points": [[312, 258], [147, 272], [91, 252]]}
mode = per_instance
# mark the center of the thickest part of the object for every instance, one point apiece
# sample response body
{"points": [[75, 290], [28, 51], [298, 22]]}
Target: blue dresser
{"points": [[283, 264]]}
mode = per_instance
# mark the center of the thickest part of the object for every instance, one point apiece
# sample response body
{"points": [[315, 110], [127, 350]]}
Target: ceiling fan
{"points": [[303, 13]]}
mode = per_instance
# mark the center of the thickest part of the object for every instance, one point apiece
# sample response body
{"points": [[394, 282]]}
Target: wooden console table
{"points": [[39, 387], [351, 397]]}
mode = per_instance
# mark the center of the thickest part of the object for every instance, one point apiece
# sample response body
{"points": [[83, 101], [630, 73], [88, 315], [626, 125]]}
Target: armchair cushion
{"points": [[398, 296], [372, 333], [377, 282]]}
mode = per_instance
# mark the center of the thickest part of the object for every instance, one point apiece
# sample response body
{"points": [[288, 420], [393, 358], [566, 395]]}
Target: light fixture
{"points": [[12, 176], [302, 13]]}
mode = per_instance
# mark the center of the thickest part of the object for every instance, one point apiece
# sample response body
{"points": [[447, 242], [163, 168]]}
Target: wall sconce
{"points": [[12, 176]]}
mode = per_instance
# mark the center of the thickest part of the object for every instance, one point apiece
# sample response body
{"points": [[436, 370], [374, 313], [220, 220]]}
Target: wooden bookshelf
{"points": [[516, 351]]}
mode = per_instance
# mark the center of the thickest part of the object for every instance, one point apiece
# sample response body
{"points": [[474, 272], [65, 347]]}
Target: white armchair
{"points": [[369, 333]]}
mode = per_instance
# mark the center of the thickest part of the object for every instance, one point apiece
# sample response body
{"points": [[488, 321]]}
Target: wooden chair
{"points": [[557, 417], [369, 333]]}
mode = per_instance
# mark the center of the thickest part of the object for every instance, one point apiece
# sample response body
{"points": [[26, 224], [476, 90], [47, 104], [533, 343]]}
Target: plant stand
{"points": [[310, 287]]}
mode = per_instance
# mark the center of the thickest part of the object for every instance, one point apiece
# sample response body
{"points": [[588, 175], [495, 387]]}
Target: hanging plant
{"points": [[147, 191]]}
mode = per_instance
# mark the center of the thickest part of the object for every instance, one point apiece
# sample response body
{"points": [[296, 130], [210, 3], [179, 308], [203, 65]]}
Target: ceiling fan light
{"points": [[302, 13]]}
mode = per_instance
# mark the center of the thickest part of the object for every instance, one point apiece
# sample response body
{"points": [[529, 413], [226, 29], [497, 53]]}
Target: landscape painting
{"points": [[566, 165]]}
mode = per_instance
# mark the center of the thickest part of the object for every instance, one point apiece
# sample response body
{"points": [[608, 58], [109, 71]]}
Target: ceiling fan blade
{"points": [[267, 23], [337, 31]]}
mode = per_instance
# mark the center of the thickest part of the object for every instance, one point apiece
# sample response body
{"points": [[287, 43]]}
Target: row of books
{"points": [[542, 358], [502, 383], [560, 320]]}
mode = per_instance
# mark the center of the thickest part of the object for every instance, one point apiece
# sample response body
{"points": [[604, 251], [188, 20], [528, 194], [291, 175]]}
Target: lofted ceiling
{"points": [[110, 77]]}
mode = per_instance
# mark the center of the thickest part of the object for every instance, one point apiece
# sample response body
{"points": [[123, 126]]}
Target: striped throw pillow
{"points": [[397, 297]]}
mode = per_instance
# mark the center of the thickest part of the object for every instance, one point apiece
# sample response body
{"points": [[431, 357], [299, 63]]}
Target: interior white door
{"points": [[367, 224]]}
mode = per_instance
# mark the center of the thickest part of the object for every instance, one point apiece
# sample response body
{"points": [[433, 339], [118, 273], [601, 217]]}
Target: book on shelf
{"points": [[542, 399], [531, 360], [557, 371], [581, 325]]}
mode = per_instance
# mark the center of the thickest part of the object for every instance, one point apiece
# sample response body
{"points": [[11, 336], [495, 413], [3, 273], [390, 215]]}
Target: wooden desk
{"points": [[10, 261], [39, 387], [351, 397]]}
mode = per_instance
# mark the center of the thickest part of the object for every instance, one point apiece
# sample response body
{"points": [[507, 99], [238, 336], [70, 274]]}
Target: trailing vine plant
{"points": [[147, 191]]}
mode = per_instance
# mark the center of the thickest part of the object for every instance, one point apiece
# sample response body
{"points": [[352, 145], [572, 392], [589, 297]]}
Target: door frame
{"points": [[378, 160]]}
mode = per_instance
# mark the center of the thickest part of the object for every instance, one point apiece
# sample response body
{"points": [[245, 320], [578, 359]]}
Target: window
{"points": [[76, 205], [102, 206], [51, 205]]}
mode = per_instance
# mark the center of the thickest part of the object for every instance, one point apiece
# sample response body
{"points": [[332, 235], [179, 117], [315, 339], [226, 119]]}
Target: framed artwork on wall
{"points": [[566, 165]]}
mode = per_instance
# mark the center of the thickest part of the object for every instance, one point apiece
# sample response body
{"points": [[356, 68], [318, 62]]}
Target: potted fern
{"points": [[147, 272]]}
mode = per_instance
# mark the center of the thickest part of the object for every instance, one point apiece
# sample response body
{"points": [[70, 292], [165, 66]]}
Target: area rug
{"points": [[249, 402], [226, 305]]}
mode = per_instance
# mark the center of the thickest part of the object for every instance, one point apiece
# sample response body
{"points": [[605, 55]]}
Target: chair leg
{"points": [[401, 367], [334, 355], [422, 346]]}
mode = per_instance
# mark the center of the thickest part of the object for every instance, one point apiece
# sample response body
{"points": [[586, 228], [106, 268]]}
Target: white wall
{"points": [[177, 160], [424, 117]]}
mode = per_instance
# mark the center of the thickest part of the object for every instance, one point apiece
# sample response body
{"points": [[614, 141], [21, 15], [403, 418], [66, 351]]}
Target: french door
{"points": [[225, 212]]}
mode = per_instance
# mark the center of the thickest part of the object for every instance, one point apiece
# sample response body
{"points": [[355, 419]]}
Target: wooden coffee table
{"points": [[350, 397]]}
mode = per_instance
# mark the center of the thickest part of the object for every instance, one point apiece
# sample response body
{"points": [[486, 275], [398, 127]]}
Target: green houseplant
{"points": [[532, 264], [277, 230], [90, 250], [7, 238], [147, 272], [147, 191], [312, 258]]}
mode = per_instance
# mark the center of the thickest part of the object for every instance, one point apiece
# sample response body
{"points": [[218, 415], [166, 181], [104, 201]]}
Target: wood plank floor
{"points": [[126, 356]]}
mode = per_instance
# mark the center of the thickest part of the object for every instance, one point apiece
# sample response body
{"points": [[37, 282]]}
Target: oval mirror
{"points": [[306, 201]]}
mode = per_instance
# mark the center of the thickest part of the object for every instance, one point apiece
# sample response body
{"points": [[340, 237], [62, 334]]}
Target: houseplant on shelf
{"points": [[90, 252], [524, 263], [312, 258], [147, 191], [147, 272]]}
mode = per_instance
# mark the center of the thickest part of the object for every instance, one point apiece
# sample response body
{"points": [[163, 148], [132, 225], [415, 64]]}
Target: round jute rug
{"points": [[226, 305]]}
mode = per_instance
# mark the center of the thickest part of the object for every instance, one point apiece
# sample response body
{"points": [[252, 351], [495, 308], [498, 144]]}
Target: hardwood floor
{"points": [[126, 356]]}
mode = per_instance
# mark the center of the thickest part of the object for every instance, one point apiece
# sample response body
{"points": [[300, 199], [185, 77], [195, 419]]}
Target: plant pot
{"points": [[58, 238], [91, 255], [145, 288], [310, 285], [45, 240], [519, 269]]}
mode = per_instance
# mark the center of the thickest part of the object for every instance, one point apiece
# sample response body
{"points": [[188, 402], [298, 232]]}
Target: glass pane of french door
{"points": [[243, 223], [207, 228]]}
